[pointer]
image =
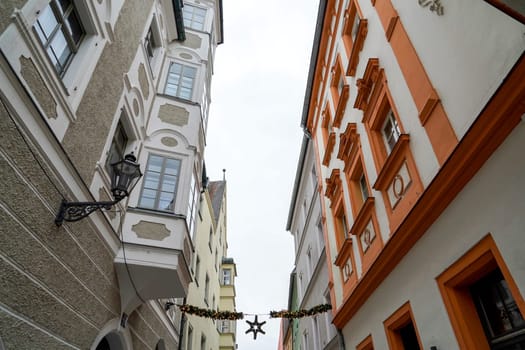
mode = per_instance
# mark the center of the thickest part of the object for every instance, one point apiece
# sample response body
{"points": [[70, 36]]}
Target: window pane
{"points": [[46, 23], [160, 183], [74, 27], [169, 183], [151, 181], [64, 4], [148, 198], [60, 48], [155, 164], [172, 166], [166, 201]]}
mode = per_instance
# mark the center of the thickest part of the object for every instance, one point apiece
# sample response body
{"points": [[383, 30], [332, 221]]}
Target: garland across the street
{"points": [[231, 315], [301, 313], [213, 314], [255, 326]]}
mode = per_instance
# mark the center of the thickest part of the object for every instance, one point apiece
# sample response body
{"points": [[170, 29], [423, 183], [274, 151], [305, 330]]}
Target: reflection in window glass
{"points": [[194, 17], [60, 31], [159, 187], [180, 81]]}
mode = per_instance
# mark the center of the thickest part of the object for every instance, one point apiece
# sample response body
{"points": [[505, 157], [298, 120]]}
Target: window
{"points": [[203, 342], [390, 131], [180, 81], [227, 277], [320, 235], [363, 186], [351, 25], [149, 44], [366, 344], [117, 148], [206, 289], [341, 224], [189, 342], [359, 191], [499, 314], [225, 326], [305, 341], [314, 178], [193, 17], [210, 237], [401, 330], [216, 259], [197, 268], [354, 34], [338, 81], [310, 260], [483, 301], [192, 205], [60, 31], [160, 183]]}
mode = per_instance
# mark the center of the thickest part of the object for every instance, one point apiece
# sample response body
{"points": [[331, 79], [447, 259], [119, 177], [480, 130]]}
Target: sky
{"points": [[254, 133]]}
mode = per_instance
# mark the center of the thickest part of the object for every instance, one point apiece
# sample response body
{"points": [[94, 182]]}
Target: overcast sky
{"points": [[254, 133]]}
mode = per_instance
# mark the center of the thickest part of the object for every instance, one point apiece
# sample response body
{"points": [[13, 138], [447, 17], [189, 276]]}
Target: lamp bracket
{"points": [[74, 211]]}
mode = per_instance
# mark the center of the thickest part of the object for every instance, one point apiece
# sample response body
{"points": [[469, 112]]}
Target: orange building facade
{"points": [[416, 112]]}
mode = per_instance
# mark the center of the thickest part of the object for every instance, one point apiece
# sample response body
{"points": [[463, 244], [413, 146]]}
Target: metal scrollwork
{"points": [[433, 6], [74, 211]]}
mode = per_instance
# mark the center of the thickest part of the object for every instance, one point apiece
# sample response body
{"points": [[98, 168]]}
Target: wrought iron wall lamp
{"points": [[125, 175]]}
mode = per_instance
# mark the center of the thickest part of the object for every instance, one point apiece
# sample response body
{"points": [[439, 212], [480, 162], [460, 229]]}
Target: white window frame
{"points": [[190, 13], [61, 26], [158, 190], [186, 72], [69, 86], [192, 205], [226, 277], [393, 133]]}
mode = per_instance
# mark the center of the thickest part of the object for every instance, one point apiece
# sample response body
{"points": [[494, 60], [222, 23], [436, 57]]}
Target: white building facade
{"points": [[311, 271], [83, 84]]}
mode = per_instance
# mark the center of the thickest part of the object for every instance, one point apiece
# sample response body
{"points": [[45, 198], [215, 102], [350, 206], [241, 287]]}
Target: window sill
{"points": [[344, 252], [362, 218], [156, 212], [178, 99]]}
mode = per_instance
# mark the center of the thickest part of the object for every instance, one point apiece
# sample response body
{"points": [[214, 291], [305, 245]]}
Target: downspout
{"points": [[179, 20], [182, 322]]}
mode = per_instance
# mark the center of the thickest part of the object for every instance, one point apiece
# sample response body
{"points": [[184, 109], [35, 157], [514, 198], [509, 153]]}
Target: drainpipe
{"points": [[182, 321]]}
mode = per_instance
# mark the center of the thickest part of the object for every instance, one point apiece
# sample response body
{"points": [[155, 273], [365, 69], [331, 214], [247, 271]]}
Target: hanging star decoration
{"points": [[255, 327]]}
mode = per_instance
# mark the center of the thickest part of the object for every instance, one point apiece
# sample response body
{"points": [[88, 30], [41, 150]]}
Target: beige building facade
{"points": [[213, 275], [83, 83]]}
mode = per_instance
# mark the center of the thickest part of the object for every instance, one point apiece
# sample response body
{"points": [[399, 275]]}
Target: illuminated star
{"points": [[255, 327]]}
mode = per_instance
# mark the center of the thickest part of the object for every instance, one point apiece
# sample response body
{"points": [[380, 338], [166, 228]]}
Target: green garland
{"points": [[231, 315], [301, 313], [216, 315]]}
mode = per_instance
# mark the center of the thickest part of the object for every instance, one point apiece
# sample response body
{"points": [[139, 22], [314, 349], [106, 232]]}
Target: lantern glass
{"points": [[126, 174]]}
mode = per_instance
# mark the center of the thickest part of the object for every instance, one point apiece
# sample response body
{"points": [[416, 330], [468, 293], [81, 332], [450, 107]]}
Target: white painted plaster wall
{"points": [[492, 202], [467, 52]]}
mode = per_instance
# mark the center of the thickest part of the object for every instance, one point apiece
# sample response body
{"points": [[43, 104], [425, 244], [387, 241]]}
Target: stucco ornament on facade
{"points": [[433, 6]]}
